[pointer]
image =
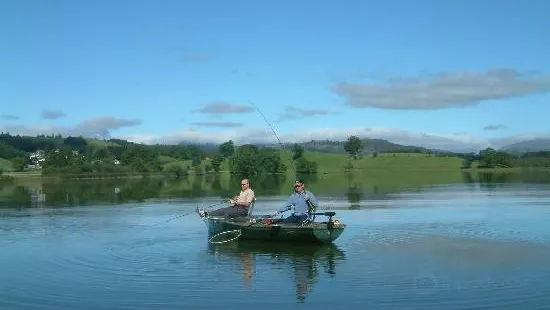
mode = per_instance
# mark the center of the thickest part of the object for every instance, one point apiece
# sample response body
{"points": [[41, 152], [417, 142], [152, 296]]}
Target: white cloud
{"points": [[445, 90], [196, 136], [459, 142], [101, 127]]}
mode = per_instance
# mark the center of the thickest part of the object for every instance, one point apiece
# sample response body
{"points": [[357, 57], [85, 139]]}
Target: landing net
{"points": [[226, 236]]}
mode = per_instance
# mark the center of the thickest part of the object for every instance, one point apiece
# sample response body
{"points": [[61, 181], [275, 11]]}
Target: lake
{"points": [[415, 241]]}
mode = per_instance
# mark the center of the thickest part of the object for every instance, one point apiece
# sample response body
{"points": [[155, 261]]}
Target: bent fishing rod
{"points": [[276, 136]]}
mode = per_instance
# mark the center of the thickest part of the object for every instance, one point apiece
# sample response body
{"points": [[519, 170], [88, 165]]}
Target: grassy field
{"points": [[5, 165], [329, 162], [100, 143], [333, 163]]}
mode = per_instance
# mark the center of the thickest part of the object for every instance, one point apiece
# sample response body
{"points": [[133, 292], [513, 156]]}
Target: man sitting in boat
{"points": [[302, 200], [239, 204]]}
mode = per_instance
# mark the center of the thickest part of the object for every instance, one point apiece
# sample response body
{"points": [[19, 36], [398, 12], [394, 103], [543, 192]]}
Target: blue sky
{"points": [[452, 74]]}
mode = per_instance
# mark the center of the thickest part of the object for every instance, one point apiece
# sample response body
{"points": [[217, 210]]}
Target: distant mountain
{"points": [[525, 146], [369, 146], [331, 146]]}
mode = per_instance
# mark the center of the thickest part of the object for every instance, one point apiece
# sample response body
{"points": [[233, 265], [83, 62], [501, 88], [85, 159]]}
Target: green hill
{"points": [[370, 146], [527, 146], [78, 155], [335, 162]]}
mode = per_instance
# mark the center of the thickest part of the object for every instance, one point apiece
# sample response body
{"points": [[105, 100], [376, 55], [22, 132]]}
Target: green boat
{"points": [[264, 228]]}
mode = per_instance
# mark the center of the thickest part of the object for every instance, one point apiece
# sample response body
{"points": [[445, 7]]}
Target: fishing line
{"points": [[276, 136], [279, 140], [187, 213]]}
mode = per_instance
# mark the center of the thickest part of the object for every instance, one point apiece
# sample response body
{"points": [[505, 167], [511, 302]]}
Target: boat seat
{"points": [[251, 207]]}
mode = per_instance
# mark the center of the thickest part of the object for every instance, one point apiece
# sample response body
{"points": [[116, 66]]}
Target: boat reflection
{"points": [[303, 262]]}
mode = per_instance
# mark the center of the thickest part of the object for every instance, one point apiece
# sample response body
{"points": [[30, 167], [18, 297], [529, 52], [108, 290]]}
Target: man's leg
{"points": [[294, 219], [220, 212], [231, 211], [237, 211]]}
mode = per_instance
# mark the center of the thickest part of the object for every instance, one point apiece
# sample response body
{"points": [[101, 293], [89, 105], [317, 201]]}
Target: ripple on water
{"points": [[424, 267], [127, 268]]}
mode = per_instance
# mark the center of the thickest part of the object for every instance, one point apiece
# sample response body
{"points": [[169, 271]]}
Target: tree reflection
{"points": [[24, 193], [264, 184], [303, 262], [354, 196]]}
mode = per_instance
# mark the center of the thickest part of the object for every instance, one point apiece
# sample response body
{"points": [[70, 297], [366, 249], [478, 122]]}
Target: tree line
{"points": [[492, 158], [54, 154]]}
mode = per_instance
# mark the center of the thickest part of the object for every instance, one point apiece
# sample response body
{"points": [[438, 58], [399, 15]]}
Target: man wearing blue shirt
{"points": [[300, 199]]}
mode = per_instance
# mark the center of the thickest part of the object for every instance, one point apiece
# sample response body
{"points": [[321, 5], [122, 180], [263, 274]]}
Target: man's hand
{"points": [[275, 214], [231, 201]]}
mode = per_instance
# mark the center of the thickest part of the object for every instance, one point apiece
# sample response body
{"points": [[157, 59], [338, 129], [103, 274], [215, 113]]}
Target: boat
{"points": [[265, 228]]}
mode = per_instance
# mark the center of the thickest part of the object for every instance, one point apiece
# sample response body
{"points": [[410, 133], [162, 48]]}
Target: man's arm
{"points": [[286, 206]]}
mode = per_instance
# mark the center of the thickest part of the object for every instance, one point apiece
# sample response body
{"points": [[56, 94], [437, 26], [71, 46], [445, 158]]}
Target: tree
{"points": [[216, 163], [251, 161], [245, 161], [490, 158], [353, 146], [297, 151], [304, 166], [227, 148]]}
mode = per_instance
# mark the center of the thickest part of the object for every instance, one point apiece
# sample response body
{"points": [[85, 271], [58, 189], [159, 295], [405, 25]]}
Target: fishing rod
{"points": [[188, 213], [279, 140], [276, 136]]}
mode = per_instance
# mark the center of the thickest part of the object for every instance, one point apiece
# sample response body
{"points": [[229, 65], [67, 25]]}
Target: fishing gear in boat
{"points": [[231, 235]]}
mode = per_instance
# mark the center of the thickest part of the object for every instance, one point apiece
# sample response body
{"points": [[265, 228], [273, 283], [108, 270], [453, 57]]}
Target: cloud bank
{"points": [[459, 142], [445, 90], [100, 127]]}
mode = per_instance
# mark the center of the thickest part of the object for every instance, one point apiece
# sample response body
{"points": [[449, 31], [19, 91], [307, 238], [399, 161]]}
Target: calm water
{"points": [[461, 245]]}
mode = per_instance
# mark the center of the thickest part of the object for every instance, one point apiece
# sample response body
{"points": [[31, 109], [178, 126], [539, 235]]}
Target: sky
{"points": [[457, 75]]}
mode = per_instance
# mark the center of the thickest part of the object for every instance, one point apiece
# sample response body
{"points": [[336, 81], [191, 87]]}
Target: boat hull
{"points": [[317, 232]]}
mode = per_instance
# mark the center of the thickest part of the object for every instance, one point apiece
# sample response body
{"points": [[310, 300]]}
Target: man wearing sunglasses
{"points": [[302, 200], [239, 204]]}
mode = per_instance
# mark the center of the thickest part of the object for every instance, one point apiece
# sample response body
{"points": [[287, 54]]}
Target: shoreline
{"points": [[107, 176]]}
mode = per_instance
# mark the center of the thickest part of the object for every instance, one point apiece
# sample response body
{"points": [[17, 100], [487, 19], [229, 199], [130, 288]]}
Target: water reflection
{"points": [[21, 193], [304, 263]]}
